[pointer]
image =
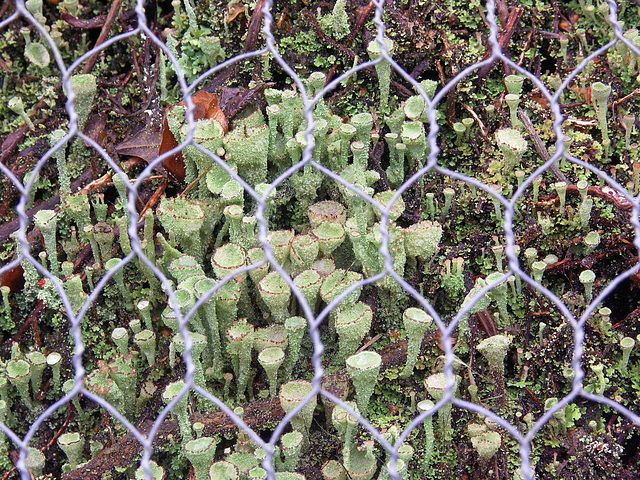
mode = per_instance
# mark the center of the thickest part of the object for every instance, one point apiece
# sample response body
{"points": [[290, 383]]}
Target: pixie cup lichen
{"points": [[146, 341], [486, 444], [330, 236], [421, 240], [600, 94], [309, 282], [291, 447], [46, 221], [426, 406], [71, 443], [337, 282], [157, 472], [180, 410], [416, 324], [352, 324], [276, 294], [38, 362], [223, 470], [494, 349], [85, 87], [512, 145], [291, 395], [199, 343], [333, 470], [227, 259], [383, 69], [16, 105], [240, 345], [200, 453], [436, 385], [304, 250], [271, 358], [295, 327], [363, 369], [587, 278], [184, 218], [19, 374], [626, 344]]}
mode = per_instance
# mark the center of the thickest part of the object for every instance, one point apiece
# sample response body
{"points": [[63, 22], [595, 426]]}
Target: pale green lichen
{"points": [[352, 324], [46, 221], [276, 294], [72, 444], [239, 346], [383, 69], [363, 369], [436, 385], [200, 453], [291, 395], [416, 323], [271, 358], [85, 88], [512, 145], [486, 444]]}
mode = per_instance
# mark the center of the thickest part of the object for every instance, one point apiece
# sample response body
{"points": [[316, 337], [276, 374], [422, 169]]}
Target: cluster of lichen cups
{"points": [[213, 232], [253, 315]]}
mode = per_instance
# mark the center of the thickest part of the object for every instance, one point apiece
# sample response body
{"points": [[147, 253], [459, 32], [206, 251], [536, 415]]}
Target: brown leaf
{"points": [[95, 22], [175, 163], [13, 278], [12, 141], [149, 143], [143, 144], [206, 107], [235, 9], [233, 100], [95, 128]]}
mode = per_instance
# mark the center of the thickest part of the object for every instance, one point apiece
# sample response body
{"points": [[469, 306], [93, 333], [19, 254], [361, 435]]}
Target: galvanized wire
{"points": [[432, 166]]}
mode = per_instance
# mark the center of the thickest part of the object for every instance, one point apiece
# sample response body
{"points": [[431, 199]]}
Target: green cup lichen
{"points": [[276, 294], [436, 385], [291, 395], [494, 349], [271, 358], [486, 444], [239, 346], [363, 369], [72, 444], [200, 453], [416, 323], [352, 324], [171, 391]]}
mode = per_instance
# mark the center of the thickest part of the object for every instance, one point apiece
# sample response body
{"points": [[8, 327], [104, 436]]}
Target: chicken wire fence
{"points": [[432, 164]]}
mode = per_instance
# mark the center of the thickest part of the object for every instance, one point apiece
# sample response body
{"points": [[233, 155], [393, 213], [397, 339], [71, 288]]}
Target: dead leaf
{"points": [[540, 99], [235, 9], [13, 278], [233, 100], [12, 141], [174, 164], [438, 338], [149, 143], [206, 107], [587, 95], [95, 22], [143, 144], [95, 128]]}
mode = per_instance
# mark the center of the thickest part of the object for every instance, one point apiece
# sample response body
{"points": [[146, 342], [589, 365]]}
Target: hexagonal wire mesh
{"points": [[616, 193]]}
